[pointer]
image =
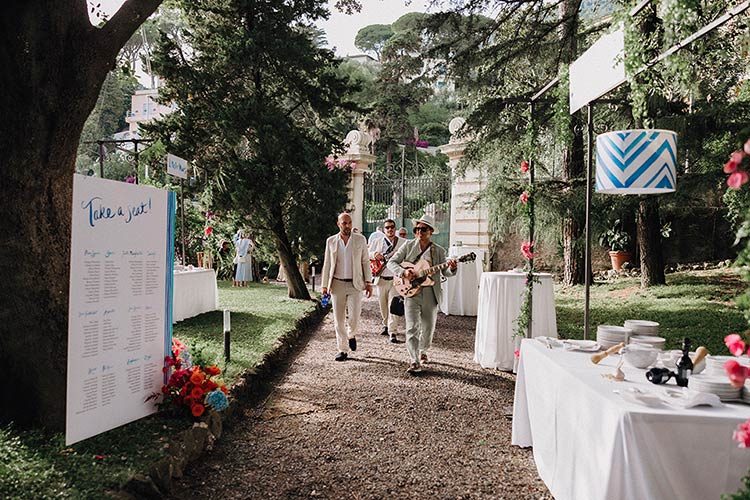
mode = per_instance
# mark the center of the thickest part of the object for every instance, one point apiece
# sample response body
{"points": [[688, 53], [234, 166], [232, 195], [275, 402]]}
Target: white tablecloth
{"points": [[195, 292], [461, 292], [590, 444], [500, 299]]}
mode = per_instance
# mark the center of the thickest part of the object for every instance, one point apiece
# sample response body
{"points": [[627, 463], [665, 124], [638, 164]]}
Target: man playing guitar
{"points": [[421, 309], [381, 250]]}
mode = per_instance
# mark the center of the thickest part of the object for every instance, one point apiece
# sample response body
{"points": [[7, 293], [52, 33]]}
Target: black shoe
{"points": [[385, 331], [341, 356], [353, 344], [394, 339]]}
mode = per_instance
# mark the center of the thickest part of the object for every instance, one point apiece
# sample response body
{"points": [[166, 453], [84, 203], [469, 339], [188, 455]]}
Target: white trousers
{"points": [[420, 312], [386, 292], [346, 301]]}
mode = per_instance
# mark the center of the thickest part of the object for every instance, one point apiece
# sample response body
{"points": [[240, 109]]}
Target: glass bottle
{"points": [[684, 364]]}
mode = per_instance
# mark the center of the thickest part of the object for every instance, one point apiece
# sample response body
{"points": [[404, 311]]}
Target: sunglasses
{"points": [[423, 229], [390, 227]]}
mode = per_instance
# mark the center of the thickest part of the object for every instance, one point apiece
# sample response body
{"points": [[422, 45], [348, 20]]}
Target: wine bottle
{"points": [[684, 364]]}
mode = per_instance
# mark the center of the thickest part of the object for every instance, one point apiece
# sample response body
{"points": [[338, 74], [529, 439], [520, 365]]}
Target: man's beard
{"points": [[346, 232]]}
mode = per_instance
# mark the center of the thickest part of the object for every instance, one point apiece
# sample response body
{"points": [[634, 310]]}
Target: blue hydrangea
{"points": [[218, 400]]}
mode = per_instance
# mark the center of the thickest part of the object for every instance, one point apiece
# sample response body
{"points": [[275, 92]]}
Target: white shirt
{"points": [[384, 250], [343, 269]]}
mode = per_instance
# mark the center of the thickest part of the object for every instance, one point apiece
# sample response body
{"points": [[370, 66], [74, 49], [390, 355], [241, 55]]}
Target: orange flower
{"points": [[197, 409], [213, 370], [196, 393], [224, 389], [210, 385], [197, 377]]}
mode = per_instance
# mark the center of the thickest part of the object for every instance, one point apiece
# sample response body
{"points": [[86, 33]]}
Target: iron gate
{"points": [[407, 199]]}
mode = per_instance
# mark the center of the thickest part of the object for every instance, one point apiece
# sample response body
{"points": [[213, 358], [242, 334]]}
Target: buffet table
{"points": [[195, 292], [590, 443], [461, 292], [500, 299]]}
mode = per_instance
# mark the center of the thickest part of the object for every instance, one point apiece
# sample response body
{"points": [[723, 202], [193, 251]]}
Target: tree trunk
{"points": [[54, 63], [573, 168], [294, 281], [649, 238]]}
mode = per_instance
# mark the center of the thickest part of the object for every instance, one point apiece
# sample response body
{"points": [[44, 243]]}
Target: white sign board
{"points": [[598, 70], [177, 166], [119, 318]]}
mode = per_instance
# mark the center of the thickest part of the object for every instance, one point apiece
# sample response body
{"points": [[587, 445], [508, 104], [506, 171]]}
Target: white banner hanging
{"points": [[600, 69]]}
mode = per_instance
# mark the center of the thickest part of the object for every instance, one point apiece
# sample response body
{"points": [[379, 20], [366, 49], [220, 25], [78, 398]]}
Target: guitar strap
{"points": [[422, 253]]}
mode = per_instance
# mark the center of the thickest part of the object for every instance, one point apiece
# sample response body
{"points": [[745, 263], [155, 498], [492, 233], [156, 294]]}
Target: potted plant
{"points": [[618, 241]]}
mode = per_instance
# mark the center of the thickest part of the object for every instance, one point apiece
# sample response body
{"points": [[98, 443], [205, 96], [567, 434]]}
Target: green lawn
{"points": [[695, 304], [39, 466], [260, 314]]}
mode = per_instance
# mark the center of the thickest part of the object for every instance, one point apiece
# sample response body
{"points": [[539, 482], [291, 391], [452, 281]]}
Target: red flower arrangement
{"points": [[190, 388], [524, 166]]}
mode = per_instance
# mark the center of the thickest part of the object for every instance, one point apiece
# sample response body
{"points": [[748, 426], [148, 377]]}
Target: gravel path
{"points": [[365, 429]]}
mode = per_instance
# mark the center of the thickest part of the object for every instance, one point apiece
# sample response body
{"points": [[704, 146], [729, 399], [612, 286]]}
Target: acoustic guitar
{"points": [[410, 288], [377, 266]]}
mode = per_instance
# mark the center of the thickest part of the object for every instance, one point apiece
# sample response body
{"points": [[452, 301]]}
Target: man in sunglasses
{"points": [[346, 273], [421, 309], [381, 250]]}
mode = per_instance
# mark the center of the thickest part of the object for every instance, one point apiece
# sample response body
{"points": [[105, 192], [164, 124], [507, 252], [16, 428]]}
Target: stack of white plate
{"points": [[611, 335], [715, 385], [643, 327], [715, 364], [745, 393], [655, 342]]}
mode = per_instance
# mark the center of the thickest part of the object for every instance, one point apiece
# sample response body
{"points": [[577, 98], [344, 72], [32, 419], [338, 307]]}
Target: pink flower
{"points": [[130, 179], [737, 157], [208, 230], [524, 198], [737, 179], [527, 249], [736, 372], [746, 147], [524, 166], [742, 434], [735, 344], [517, 354], [209, 215], [730, 167]]}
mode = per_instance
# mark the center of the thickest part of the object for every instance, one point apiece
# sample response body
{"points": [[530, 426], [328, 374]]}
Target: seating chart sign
{"points": [[119, 318]]}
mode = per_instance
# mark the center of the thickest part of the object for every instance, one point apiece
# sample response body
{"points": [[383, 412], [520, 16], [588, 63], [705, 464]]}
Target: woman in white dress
{"points": [[244, 271]]}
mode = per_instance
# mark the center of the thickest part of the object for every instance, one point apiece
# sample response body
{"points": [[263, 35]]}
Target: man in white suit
{"points": [[420, 311], [346, 273], [382, 249]]}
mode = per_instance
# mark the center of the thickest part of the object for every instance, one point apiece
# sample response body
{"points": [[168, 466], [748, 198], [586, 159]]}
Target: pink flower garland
{"points": [[737, 177]]}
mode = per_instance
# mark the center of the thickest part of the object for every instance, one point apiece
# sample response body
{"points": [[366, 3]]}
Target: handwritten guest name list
{"points": [[119, 317]]}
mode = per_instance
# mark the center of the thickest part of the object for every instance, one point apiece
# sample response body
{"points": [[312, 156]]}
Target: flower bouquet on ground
{"points": [[190, 389]]}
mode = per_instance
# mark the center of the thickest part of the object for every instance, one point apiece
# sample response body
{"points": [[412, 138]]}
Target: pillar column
{"points": [[358, 153], [469, 221]]}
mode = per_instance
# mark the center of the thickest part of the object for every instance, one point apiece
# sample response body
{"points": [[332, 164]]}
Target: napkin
{"points": [[581, 345], [690, 398], [549, 341]]}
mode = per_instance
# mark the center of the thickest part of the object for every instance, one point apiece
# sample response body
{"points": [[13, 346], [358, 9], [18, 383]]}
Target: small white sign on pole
{"points": [[120, 313], [598, 70], [177, 166]]}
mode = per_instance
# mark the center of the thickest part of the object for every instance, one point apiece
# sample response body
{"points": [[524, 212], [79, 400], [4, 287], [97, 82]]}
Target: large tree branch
{"points": [[118, 30]]}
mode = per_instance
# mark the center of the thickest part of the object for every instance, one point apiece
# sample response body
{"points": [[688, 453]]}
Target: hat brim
{"points": [[434, 230]]}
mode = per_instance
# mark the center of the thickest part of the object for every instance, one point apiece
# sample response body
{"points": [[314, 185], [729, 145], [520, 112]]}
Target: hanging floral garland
{"points": [[527, 249]]}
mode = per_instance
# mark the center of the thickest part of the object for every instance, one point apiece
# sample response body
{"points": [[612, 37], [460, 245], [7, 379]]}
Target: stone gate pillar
{"points": [[358, 152], [468, 217]]}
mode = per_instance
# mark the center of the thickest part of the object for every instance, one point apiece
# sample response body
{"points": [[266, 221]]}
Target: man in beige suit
{"points": [[381, 249], [346, 273], [420, 310]]}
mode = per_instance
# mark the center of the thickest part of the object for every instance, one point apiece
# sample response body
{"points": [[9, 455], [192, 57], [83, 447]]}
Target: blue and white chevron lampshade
{"points": [[636, 162]]}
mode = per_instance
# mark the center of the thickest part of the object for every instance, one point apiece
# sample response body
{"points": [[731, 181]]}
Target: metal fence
{"points": [[405, 199]]}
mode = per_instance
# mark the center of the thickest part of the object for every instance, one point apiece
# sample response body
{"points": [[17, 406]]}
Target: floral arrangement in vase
{"points": [[190, 389]]}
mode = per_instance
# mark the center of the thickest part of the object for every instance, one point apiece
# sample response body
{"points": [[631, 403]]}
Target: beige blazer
{"points": [[361, 274], [377, 246], [410, 251]]}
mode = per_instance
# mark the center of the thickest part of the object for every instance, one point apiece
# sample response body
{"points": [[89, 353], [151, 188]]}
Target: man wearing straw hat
{"points": [[421, 309]]}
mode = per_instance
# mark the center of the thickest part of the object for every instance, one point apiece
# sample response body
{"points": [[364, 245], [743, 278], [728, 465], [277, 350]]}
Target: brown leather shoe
{"points": [[423, 357]]}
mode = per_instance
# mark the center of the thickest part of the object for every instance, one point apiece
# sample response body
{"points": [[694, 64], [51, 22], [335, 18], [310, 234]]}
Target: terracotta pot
{"points": [[618, 259]]}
